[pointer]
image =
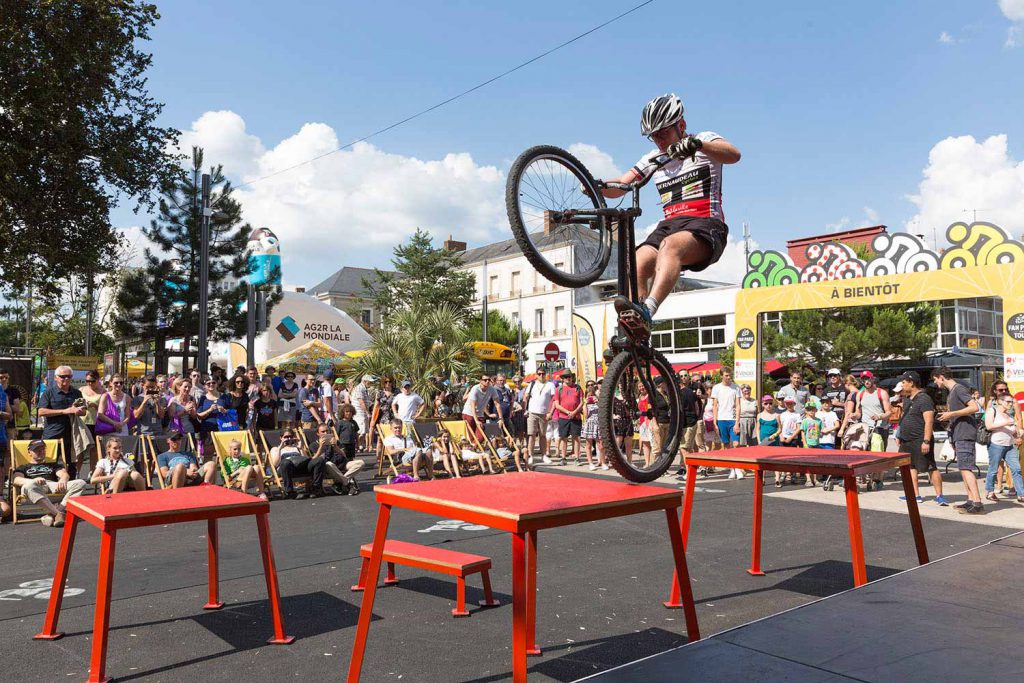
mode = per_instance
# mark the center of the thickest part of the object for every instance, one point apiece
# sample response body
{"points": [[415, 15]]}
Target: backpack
{"points": [[984, 437]]}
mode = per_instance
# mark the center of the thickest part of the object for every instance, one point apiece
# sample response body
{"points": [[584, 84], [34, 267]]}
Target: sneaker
{"points": [[47, 520], [353, 488], [778, 484], [263, 497], [919, 499], [808, 484], [390, 478], [879, 486], [592, 467], [961, 506], [605, 467], [974, 509], [301, 496], [634, 317], [547, 460], [740, 474], [941, 501], [529, 461], [991, 495]]}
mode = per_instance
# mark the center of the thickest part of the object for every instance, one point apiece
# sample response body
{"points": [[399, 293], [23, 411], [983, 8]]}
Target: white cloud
{"points": [[731, 267], [871, 215], [946, 38], [599, 163], [1012, 9], [962, 175], [355, 205], [840, 225], [1013, 36], [223, 137]]}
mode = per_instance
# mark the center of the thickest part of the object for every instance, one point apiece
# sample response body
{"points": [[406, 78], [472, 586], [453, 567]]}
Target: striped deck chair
{"points": [[133, 447]]}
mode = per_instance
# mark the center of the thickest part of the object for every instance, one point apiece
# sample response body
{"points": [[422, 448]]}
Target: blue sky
{"points": [[835, 106]]}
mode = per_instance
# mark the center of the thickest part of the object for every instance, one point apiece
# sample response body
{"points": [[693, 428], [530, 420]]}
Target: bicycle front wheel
{"points": [[629, 375], [545, 183]]}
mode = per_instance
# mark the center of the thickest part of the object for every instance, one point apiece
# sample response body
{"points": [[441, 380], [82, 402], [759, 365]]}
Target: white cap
{"points": [[369, 378], [898, 388], [833, 371]]}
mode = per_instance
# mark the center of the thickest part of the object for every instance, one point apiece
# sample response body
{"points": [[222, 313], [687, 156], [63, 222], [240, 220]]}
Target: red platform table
{"points": [[521, 503], [149, 508], [844, 465]]}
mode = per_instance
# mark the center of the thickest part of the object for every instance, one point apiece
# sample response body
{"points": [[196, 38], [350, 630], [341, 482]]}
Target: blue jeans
{"points": [[996, 454]]}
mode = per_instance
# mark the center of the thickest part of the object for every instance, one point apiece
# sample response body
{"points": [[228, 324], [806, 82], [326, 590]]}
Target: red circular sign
{"points": [[551, 351], [1020, 398]]}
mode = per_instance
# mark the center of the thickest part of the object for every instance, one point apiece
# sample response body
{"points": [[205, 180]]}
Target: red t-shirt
{"points": [[569, 398]]}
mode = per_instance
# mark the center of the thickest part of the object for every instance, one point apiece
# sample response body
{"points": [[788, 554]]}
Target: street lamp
{"points": [[208, 213]]}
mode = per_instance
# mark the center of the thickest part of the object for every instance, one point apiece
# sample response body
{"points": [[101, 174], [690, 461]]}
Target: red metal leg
{"points": [[101, 620], [518, 609], [270, 573], [915, 515], [531, 594], [355, 665], [390, 579], [60, 577], [460, 598], [674, 601], [362, 575], [683, 584], [860, 573], [755, 548], [211, 546], [488, 600]]}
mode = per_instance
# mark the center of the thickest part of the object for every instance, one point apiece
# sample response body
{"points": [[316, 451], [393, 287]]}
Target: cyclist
{"points": [[693, 234]]}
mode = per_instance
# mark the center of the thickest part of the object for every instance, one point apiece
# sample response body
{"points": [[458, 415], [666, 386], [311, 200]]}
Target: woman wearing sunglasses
{"points": [[113, 412]]}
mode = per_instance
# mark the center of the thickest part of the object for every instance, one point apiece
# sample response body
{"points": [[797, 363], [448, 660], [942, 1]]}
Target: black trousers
{"points": [[287, 469]]}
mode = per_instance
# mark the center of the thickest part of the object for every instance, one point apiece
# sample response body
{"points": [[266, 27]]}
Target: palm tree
{"points": [[419, 345]]}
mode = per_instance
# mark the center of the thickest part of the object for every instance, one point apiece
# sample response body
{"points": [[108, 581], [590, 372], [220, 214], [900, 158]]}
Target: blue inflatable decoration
{"points": [[264, 258]]}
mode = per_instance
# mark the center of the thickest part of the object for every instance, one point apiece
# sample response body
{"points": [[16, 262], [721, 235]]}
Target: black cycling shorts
{"points": [[711, 231]]}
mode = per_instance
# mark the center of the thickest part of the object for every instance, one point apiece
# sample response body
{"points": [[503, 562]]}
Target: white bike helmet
{"points": [[661, 112]]}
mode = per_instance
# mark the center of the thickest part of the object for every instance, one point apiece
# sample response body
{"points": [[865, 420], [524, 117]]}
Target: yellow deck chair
{"points": [[385, 460], [458, 431], [153, 445], [220, 447], [133, 448], [19, 457], [269, 438]]}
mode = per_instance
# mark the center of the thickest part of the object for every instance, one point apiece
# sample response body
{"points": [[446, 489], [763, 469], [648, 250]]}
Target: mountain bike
{"points": [[552, 199]]}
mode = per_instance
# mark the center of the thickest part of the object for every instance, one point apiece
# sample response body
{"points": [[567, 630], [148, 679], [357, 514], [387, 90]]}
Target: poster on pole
{"points": [[584, 348]]}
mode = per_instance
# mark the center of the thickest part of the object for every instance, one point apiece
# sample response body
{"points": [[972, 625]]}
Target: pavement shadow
{"points": [[440, 588], [818, 580], [587, 657]]}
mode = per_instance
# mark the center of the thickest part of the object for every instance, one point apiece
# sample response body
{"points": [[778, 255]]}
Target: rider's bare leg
{"points": [[677, 251], [646, 260]]}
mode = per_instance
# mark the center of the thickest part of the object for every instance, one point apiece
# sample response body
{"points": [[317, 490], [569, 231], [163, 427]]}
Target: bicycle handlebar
{"points": [[658, 162]]}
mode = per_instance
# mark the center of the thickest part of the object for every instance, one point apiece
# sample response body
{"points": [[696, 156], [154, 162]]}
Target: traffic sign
{"points": [[551, 351]]}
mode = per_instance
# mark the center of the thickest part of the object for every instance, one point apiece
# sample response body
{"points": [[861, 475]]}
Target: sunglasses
{"points": [[63, 376], [117, 384]]}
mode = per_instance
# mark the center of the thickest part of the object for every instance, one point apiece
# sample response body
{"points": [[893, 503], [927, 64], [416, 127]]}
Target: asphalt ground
{"points": [[600, 589]]}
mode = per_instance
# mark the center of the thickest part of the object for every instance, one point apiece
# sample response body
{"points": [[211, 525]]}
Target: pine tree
{"points": [[426, 278], [167, 287]]}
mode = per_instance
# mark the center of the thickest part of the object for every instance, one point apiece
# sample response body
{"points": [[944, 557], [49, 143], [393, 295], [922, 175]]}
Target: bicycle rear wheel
{"points": [[620, 396], [544, 182]]}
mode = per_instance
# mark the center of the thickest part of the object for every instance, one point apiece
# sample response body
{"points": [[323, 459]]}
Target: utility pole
{"points": [[746, 245], [88, 313], [483, 276], [250, 325], [204, 278], [974, 213]]}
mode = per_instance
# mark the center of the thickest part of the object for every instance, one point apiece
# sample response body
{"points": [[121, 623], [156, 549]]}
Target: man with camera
{"points": [[149, 408], [337, 464]]}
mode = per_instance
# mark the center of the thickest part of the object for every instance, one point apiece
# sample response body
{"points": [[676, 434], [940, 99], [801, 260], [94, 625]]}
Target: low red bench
{"points": [[432, 558]]}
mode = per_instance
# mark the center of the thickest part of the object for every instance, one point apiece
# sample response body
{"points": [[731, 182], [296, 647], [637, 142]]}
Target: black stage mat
{"points": [[955, 619]]}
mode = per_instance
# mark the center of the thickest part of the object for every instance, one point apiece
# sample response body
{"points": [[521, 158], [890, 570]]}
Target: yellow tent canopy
{"points": [[136, 367], [315, 357]]}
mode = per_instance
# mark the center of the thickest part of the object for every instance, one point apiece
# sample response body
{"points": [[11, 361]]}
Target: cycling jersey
{"points": [[692, 187]]}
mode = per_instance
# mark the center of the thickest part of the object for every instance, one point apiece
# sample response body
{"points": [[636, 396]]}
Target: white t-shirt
{"points": [[790, 423], [829, 420], [407, 406], [691, 187], [480, 397], [107, 467], [726, 396], [398, 442], [540, 397]]}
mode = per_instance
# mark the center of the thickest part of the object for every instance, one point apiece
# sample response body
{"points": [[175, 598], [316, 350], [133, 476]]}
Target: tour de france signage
{"points": [[981, 261]]}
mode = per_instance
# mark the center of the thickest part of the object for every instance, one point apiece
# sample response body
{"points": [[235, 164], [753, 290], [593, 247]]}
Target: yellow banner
{"points": [[584, 349]]}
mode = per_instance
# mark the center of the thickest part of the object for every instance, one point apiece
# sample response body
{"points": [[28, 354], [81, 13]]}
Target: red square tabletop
{"points": [[146, 508], [522, 503], [842, 464]]}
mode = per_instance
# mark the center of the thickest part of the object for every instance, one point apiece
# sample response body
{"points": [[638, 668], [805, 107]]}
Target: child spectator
{"points": [[116, 471], [348, 430], [240, 467], [468, 454], [444, 452], [829, 424], [810, 428]]}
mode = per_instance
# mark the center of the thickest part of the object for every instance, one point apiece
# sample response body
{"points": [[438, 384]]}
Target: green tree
{"points": [[500, 329], [426, 277], [846, 337], [419, 344], [167, 288], [77, 133]]}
